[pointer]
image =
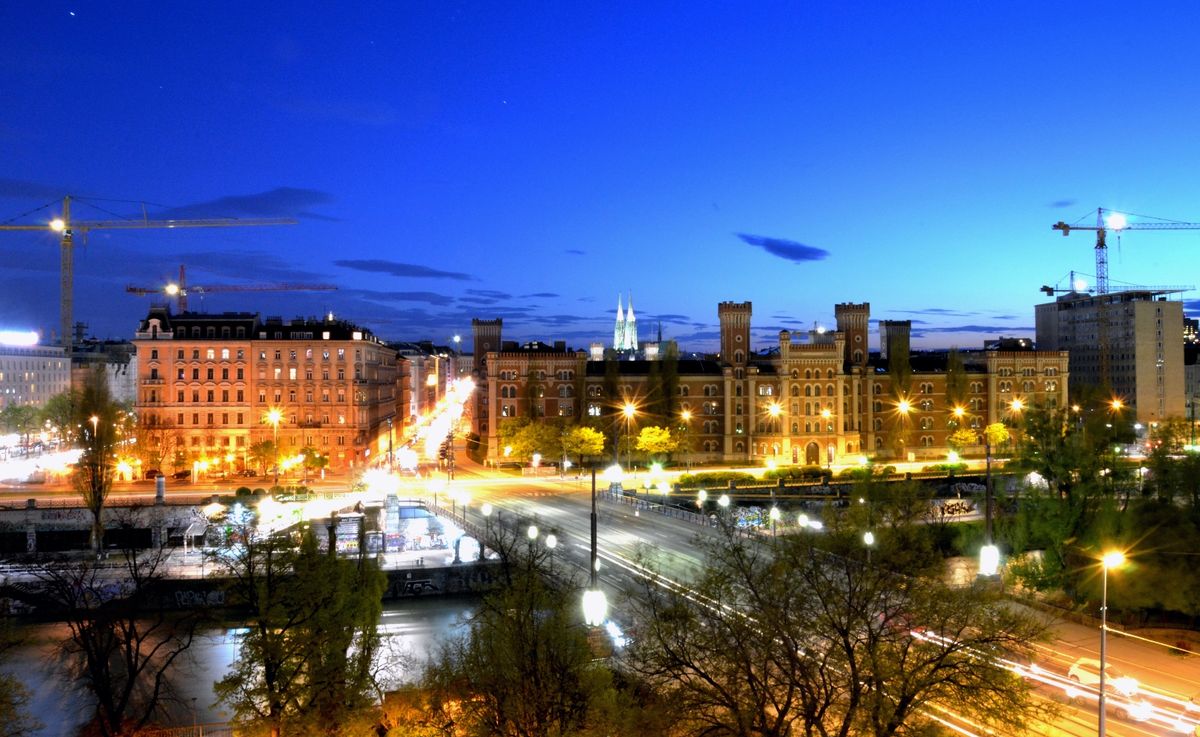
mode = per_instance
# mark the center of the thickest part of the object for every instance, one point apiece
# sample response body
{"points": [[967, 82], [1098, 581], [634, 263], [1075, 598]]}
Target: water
{"points": [[411, 630]]}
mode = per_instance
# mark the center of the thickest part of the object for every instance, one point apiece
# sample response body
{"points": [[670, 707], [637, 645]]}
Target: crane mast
{"points": [[68, 227]]}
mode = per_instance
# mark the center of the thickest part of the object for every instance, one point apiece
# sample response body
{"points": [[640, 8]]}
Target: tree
{"points": [[14, 698], [656, 441], [156, 444], [306, 663], [262, 454], [21, 419], [786, 639], [122, 643], [997, 434], [313, 460], [96, 416], [962, 437], [956, 379], [524, 667], [59, 411], [582, 442]]}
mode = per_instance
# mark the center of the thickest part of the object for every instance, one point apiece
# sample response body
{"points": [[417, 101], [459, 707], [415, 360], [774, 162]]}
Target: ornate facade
{"points": [[822, 400], [207, 383]]}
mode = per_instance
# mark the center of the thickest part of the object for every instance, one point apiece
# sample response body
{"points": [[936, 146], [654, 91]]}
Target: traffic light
{"points": [[444, 449]]}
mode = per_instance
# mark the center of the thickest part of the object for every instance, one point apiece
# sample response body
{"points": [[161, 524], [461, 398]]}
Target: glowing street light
{"points": [[723, 501], [903, 406], [1110, 560], [532, 533], [869, 542], [274, 415], [701, 497]]}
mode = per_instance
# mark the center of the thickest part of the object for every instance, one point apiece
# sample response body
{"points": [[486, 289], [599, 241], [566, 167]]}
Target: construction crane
{"points": [[1107, 220], [180, 290], [68, 228]]}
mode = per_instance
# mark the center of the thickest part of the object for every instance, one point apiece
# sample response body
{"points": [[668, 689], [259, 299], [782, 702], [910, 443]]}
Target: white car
{"points": [[1086, 672]]}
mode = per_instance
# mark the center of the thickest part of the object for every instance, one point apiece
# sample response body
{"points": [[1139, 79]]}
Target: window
{"points": [[926, 423], [209, 374], [153, 354], [225, 354], [926, 405]]}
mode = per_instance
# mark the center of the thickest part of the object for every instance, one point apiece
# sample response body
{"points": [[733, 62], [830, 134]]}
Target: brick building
{"points": [[207, 382], [820, 400]]}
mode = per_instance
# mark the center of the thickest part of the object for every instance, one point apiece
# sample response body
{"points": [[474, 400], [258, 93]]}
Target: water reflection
{"points": [[410, 628]]}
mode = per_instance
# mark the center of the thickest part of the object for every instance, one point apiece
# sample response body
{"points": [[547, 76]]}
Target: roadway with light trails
{"points": [[628, 535]]}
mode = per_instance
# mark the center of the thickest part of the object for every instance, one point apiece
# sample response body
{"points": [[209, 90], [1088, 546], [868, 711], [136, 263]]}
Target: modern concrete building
{"points": [[30, 375], [1129, 343]]}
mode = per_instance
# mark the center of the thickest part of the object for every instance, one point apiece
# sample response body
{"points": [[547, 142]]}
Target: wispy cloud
{"points": [[278, 202], [789, 250], [489, 293], [974, 329], [941, 311], [575, 252], [540, 295], [396, 268], [20, 189], [1061, 203], [432, 298]]}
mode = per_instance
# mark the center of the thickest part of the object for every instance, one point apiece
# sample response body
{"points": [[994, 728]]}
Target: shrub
{"points": [[949, 468], [715, 478], [799, 473], [242, 491]]}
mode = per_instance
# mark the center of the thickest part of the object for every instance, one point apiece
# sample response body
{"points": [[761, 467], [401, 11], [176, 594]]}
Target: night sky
{"points": [[531, 160]]}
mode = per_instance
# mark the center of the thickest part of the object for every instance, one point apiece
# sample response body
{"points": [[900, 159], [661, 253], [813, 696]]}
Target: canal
{"points": [[411, 629]]}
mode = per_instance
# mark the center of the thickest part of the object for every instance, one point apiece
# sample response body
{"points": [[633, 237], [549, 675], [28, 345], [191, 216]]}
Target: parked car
{"points": [[153, 473], [181, 475], [1086, 672]]}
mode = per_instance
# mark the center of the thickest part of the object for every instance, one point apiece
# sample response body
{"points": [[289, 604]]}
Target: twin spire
{"points": [[625, 336]]}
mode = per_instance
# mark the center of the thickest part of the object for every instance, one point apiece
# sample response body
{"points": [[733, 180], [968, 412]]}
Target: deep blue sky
{"points": [[530, 160]]}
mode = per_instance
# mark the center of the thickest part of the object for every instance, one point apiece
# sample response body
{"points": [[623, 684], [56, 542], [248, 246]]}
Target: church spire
{"points": [[631, 335], [619, 329]]}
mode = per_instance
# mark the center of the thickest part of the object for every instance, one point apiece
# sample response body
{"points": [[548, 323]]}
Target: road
{"points": [[629, 536]]}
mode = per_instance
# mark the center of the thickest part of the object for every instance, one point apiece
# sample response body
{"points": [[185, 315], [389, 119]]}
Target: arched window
{"points": [[877, 389], [795, 373], [1027, 387], [926, 405], [877, 406], [683, 390], [795, 390], [738, 356], [1052, 386], [926, 441], [926, 423], [878, 424], [808, 390], [829, 388], [795, 428], [808, 373]]}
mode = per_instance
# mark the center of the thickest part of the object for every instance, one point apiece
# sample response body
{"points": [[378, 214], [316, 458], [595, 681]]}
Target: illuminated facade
{"points": [[30, 375], [1128, 342], [206, 384], [812, 399]]}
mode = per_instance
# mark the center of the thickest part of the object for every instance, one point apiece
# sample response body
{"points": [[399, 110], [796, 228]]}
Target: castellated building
{"points": [[812, 399]]}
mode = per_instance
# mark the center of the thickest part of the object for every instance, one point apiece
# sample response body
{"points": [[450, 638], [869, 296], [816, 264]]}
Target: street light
{"points": [[774, 515], [869, 541], [595, 603], [629, 410], [273, 417], [1111, 559], [686, 417]]}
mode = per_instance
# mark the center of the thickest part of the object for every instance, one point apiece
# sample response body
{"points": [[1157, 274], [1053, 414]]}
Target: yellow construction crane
{"points": [[1107, 220], [180, 290], [68, 228]]}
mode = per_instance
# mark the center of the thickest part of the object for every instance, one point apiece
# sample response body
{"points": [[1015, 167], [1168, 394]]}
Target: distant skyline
{"points": [[450, 160]]}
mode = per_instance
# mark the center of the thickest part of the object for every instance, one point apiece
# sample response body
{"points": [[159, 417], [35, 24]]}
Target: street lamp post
{"points": [[989, 554], [1113, 559], [391, 464], [869, 541], [595, 604], [273, 417], [629, 411]]}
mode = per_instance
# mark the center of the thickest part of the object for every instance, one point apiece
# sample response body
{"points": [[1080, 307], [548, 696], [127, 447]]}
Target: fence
{"points": [[216, 729]]}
